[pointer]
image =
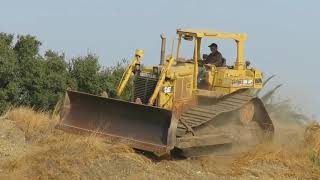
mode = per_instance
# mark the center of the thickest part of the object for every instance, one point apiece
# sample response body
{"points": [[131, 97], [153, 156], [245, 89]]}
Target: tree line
{"points": [[28, 78]]}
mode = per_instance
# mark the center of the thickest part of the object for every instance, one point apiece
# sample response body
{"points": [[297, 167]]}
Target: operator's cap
{"points": [[213, 45]]}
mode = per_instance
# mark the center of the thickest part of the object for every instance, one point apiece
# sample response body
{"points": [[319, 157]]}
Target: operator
{"points": [[215, 57]]}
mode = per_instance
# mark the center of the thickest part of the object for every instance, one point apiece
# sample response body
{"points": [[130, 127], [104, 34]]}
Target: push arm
{"points": [[161, 80], [126, 75]]}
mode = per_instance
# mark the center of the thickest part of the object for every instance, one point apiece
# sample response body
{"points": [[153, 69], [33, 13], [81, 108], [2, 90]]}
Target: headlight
{"points": [[258, 81], [156, 70], [137, 67], [167, 89]]}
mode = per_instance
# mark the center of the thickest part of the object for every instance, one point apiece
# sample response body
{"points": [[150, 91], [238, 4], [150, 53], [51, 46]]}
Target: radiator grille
{"points": [[144, 87]]}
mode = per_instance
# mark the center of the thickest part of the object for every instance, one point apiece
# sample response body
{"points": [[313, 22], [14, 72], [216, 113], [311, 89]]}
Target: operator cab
{"points": [[223, 78]]}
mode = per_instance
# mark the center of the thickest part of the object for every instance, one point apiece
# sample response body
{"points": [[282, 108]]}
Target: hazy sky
{"points": [[283, 36]]}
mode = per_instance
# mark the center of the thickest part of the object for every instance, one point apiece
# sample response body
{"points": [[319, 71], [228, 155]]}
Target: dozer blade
{"points": [[140, 126]]}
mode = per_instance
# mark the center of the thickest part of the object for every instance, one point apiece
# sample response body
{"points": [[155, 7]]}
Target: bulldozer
{"points": [[178, 105]]}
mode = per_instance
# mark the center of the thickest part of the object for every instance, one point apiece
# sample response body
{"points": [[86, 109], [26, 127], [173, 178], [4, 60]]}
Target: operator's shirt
{"points": [[215, 59]]}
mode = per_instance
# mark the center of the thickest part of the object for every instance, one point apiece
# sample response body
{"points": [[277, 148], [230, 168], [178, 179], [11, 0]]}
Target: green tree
{"points": [[6, 38], [27, 47], [111, 76], [30, 70], [54, 82], [8, 71], [85, 72], [28, 78]]}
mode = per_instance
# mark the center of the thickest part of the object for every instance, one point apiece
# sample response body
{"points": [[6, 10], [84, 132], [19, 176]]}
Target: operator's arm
{"points": [[201, 62]]}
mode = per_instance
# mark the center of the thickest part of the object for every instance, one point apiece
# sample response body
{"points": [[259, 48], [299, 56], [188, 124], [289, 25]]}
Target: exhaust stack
{"points": [[163, 48]]}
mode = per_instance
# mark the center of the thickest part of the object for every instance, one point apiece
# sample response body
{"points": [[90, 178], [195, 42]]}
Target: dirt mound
{"points": [[43, 152]]}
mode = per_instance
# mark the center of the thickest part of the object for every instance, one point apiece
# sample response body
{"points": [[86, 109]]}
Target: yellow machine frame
{"points": [[219, 80]]}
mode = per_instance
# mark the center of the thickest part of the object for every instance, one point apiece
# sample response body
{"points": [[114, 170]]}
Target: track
{"points": [[200, 114]]}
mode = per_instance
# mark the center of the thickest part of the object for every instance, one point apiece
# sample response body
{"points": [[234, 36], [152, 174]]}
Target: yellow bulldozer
{"points": [[174, 107]]}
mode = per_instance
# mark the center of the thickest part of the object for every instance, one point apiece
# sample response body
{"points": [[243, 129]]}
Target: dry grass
{"points": [[291, 158], [312, 137], [73, 158], [312, 141], [54, 154], [34, 124]]}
